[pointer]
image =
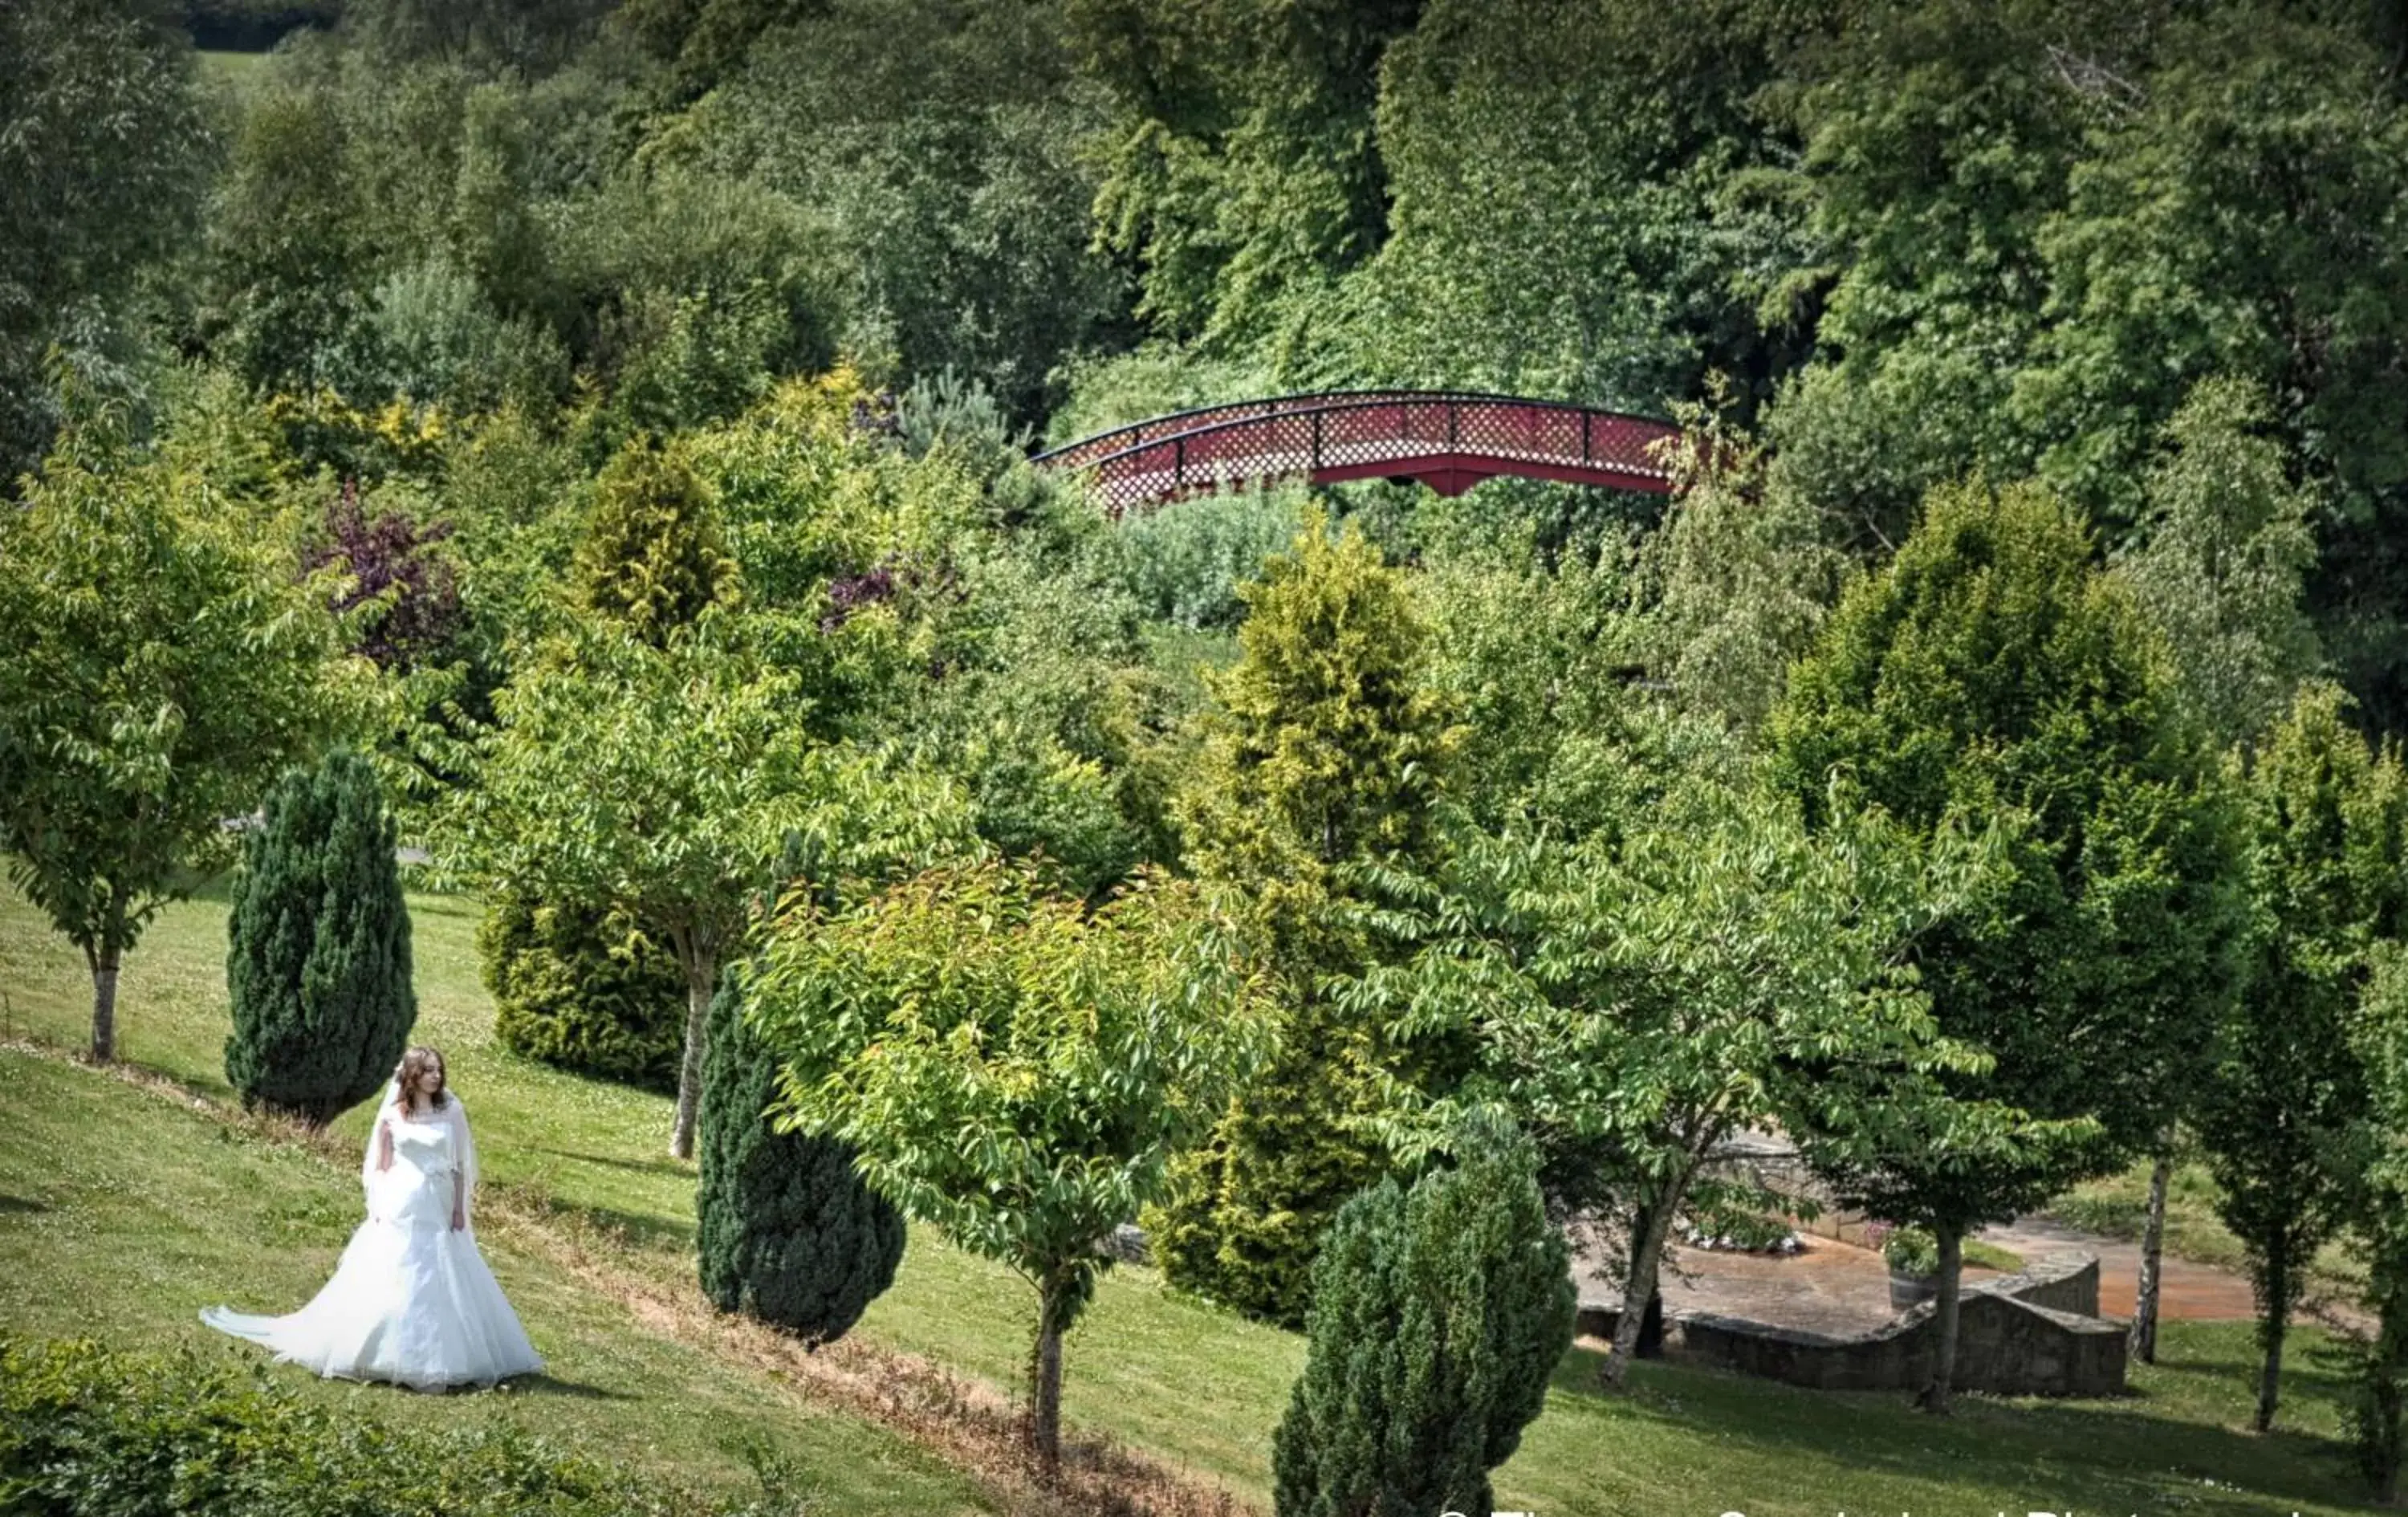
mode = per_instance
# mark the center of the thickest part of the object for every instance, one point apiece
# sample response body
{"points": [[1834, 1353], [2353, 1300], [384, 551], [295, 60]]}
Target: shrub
{"points": [[97, 1434], [574, 987], [392, 559], [1244, 1213], [1912, 1251], [319, 965], [653, 555], [1183, 563], [788, 1233], [1437, 1315]]}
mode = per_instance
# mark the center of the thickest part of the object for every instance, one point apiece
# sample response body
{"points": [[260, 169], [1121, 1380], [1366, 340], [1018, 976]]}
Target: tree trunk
{"points": [[1651, 1327], [701, 978], [1646, 1253], [2153, 1245], [1045, 1400], [104, 1004], [1943, 1353], [104, 958], [2276, 1318], [103, 1013]]}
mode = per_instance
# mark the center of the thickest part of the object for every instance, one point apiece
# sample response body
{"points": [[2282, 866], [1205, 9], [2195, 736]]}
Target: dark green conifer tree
{"points": [[1437, 1315], [319, 968], [788, 1233]]}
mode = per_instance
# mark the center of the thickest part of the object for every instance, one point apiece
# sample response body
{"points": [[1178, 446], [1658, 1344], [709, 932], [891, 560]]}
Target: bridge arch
{"points": [[1447, 440]]}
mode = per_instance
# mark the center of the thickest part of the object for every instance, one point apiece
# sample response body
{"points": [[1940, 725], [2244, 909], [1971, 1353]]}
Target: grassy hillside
{"points": [[124, 1210], [122, 1214]]}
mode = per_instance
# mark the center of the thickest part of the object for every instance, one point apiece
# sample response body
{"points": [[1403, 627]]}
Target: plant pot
{"points": [[1912, 1290]]}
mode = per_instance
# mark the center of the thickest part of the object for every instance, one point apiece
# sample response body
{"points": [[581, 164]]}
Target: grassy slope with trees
{"points": [[1191, 1385], [640, 385]]}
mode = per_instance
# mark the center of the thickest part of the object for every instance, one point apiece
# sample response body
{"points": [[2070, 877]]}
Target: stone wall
{"points": [[2015, 1337]]}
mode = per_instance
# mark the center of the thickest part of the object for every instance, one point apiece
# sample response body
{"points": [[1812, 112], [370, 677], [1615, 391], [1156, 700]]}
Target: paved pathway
{"points": [[1833, 1287], [2188, 1291]]}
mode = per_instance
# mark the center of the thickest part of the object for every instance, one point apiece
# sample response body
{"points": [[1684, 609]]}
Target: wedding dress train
{"points": [[411, 1301]]}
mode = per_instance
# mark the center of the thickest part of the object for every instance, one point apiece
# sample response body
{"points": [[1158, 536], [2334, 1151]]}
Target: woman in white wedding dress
{"points": [[411, 1301]]}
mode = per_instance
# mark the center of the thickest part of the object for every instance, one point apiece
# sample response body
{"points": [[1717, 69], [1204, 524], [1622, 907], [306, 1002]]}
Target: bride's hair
{"points": [[416, 1063]]}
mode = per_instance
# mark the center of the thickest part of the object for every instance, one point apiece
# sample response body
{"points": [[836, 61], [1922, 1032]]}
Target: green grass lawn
{"points": [[89, 1243], [122, 1214]]}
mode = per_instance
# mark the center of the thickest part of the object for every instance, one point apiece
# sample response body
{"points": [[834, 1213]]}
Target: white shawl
{"points": [[463, 1148]]}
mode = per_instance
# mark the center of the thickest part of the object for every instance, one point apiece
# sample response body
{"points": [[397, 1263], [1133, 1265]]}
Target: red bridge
{"points": [[1447, 440]]}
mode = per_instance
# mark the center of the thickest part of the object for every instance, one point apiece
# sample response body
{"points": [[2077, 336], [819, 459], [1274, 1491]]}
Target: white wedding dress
{"points": [[411, 1301]]}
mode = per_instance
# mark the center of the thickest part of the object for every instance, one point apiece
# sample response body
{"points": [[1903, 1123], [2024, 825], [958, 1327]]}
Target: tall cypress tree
{"points": [[788, 1233], [319, 966], [1437, 1315], [1325, 751]]}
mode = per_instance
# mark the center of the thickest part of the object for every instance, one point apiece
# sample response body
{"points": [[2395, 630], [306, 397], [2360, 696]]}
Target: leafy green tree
{"points": [[1992, 672], [2379, 1040], [318, 969], [158, 670], [1325, 751], [2225, 544], [2329, 835], [527, 35], [1736, 580], [1039, 711], [1935, 141], [1012, 1066], [787, 1232], [950, 147], [288, 269], [1439, 1314], [653, 555], [1243, 173], [2225, 547], [102, 155], [668, 785], [1565, 217], [2235, 215], [1639, 996]]}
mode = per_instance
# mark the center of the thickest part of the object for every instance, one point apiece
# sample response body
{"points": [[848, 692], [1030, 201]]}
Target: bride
{"points": [[411, 1301]]}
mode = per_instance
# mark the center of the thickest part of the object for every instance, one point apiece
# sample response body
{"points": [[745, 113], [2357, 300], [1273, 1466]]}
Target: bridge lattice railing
{"points": [[1358, 435]]}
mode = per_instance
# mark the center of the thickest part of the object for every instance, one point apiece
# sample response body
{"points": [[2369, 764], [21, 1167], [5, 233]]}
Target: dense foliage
{"points": [[640, 390], [319, 970], [86, 1431], [1437, 1315], [581, 989], [786, 1231]]}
